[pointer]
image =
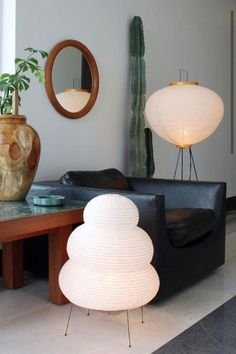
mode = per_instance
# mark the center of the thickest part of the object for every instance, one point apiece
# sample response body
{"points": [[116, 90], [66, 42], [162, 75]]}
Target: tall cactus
{"points": [[141, 151]]}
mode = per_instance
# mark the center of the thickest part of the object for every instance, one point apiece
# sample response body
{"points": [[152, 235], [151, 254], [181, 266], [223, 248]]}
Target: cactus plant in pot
{"points": [[141, 147], [19, 142]]}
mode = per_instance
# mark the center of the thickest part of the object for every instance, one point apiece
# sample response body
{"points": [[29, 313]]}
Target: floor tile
{"points": [[214, 334]]}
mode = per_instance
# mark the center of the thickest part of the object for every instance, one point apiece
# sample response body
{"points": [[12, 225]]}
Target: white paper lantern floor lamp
{"points": [[184, 113], [109, 259]]}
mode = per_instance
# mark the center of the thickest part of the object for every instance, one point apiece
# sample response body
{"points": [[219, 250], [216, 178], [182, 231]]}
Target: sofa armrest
{"points": [[184, 194], [151, 207]]}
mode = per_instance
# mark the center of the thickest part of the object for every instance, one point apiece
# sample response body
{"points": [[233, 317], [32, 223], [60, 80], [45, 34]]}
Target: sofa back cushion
{"points": [[109, 179]]}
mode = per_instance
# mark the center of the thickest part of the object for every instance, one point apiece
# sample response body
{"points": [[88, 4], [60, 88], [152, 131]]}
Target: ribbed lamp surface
{"points": [[109, 258], [184, 114]]}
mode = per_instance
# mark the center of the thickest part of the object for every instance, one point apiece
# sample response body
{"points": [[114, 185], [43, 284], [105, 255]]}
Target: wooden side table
{"points": [[20, 220]]}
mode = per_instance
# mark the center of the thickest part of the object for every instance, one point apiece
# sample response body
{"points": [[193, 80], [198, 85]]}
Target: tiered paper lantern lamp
{"points": [[109, 258]]}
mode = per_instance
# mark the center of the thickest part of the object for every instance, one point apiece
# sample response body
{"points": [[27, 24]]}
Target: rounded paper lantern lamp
{"points": [[184, 113], [109, 258]]}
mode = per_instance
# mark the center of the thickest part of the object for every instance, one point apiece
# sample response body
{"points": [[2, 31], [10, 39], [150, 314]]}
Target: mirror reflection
{"points": [[72, 79]]}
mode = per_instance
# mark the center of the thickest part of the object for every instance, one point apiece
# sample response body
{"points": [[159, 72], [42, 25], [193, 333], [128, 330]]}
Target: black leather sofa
{"points": [[185, 219]]}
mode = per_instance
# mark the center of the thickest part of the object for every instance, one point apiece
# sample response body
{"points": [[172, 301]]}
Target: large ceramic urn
{"points": [[19, 157]]}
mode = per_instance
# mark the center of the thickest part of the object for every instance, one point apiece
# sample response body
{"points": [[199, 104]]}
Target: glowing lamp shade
{"points": [[184, 113], [73, 100], [109, 258]]}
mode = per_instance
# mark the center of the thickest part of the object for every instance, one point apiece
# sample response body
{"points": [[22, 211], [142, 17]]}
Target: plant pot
{"points": [[19, 157]]}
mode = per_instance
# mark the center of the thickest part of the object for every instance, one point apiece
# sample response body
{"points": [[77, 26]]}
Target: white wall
{"points": [[7, 34], [190, 34]]}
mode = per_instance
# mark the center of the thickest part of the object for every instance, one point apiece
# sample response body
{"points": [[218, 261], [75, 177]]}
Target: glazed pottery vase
{"points": [[19, 157]]}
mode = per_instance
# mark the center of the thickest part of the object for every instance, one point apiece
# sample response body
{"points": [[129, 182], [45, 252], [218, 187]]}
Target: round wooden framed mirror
{"points": [[72, 79]]}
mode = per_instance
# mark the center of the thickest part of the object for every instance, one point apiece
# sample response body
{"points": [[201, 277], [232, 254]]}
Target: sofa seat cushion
{"points": [[187, 225], [109, 179]]}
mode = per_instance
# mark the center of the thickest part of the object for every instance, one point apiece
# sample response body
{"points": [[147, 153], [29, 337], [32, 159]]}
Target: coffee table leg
{"points": [[12, 264], [57, 257]]}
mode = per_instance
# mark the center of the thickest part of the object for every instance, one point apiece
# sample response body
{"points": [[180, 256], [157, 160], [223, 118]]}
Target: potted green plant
{"points": [[19, 142]]}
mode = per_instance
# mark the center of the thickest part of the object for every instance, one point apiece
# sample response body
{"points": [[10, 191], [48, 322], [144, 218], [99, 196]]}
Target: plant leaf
{"points": [[23, 83], [23, 66], [6, 105], [43, 54], [32, 64], [19, 60], [32, 61], [30, 50], [4, 77], [39, 74], [3, 86]]}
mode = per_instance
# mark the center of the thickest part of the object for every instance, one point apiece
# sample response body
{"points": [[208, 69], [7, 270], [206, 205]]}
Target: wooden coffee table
{"points": [[20, 220]]}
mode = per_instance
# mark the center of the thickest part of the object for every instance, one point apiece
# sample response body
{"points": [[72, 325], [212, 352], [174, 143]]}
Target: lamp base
{"points": [[180, 163], [88, 313]]}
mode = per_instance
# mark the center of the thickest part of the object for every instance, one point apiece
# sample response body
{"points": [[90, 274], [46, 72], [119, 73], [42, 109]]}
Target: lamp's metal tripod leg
{"points": [[180, 160], [127, 313], [142, 314], [192, 160], [177, 163], [190, 164], [68, 321]]}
